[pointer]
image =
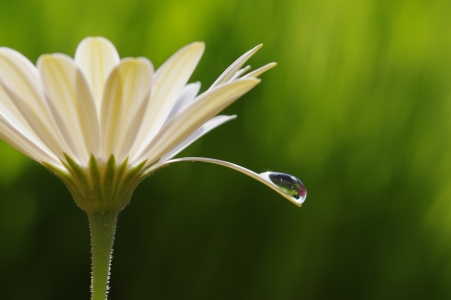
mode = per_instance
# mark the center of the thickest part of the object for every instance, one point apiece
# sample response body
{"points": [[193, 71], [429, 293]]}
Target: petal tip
{"points": [[95, 39], [254, 80], [96, 42], [138, 62], [256, 48], [199, 46], [55, 57]]}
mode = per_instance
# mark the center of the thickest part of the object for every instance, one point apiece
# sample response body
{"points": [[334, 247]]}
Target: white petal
{"points": [[240, 72], [28, 147], [260, 70], [124, 104], [26, 144], [13, 116], [170, 78], [210, 125], [188, 93], [230, 71], [15, 130], [71, 103], [96, 57], [19, 79], [193, 116], [258, 177]]}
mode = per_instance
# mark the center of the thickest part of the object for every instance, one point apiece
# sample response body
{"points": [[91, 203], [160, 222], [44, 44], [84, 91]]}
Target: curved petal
{"points": [[71, 103], [263, 177], [230, 71], [188, 93], [260, 70], [96, 57], [13, 116], [169, 80], [16, 131], [193, 116], [240, 72], [24, 144], [124, 103], [20, 81], [210, 125]]}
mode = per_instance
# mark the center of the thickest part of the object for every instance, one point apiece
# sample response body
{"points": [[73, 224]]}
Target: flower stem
{"points": [[102, 225]]}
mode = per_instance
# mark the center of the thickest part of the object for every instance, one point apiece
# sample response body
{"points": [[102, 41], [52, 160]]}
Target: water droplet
{"points": [[289, 184]]}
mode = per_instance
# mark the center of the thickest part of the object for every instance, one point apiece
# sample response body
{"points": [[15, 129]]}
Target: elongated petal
{"points": [[124, 103], [19, 79], [188, 93], [96, 57], [260, 70], [259, 177], [16, 131], [170, 78], [24, 144], [240, 72], [71, 103], [13, 116], [195, 115], [230, 71], [210, 125]]}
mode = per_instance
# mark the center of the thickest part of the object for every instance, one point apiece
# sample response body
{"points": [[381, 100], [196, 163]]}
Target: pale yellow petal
{"points": [[20, 81], [71, 104], [124, 104], [260, 70], [96, 57], [24, 144], [193, 116], [204, 129], [170, 78], [235, 67], [240, 72], [13, 116], [16, 131], [187, 94]]}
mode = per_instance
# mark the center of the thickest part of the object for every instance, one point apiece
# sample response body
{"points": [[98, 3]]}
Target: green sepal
{"points": [[131, 178], [100, 186], [121, 169], [76, 171], [95, 177], [108, 177]]}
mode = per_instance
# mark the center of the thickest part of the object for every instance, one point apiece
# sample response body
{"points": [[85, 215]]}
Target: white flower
{"points": [[102, 123]]}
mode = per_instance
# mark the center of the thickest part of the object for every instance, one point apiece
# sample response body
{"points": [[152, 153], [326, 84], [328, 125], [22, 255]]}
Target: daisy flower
{"points": [[102, 124]]}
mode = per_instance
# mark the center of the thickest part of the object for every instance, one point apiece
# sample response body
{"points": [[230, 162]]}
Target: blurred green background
{"points": [[358, 108]]}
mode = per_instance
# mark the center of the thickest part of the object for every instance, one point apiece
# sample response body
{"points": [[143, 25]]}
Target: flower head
{"points": [[102, 123]]}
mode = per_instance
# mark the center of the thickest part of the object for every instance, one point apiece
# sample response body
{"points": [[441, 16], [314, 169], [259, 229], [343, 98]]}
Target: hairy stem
{"points": [[103, 226]]}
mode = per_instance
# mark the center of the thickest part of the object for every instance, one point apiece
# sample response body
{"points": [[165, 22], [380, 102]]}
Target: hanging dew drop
{"points": [[285, 184], [291, 185]]}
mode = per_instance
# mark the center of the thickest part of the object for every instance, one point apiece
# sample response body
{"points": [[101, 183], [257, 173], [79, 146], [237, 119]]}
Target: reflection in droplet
{"points": [[287, 183]]}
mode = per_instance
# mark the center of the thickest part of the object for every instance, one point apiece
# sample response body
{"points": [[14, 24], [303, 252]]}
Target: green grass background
{"points": [[359, 108]]}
